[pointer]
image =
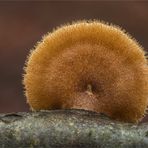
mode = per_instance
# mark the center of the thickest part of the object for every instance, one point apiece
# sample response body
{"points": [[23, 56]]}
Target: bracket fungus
{"points": [[88, 65]]}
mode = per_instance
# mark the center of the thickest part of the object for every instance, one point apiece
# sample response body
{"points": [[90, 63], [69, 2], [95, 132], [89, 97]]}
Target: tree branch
{"points": [[69, 128]]}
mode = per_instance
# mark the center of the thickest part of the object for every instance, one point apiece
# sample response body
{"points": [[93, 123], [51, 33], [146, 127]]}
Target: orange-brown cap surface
{"points": [[88, 65]]}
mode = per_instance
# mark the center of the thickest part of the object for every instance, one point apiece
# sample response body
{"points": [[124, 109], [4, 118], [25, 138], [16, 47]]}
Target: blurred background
{"points": [[22, 24]]}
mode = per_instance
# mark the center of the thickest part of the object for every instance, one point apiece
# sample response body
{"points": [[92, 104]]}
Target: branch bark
{"points": [[69, 128]]}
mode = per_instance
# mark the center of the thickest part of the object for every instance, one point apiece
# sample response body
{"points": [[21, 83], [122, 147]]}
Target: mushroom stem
{"points": [[89, 89]]}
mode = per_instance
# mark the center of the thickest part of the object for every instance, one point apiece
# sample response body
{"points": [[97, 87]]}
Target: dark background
{"points": [[22, 24]]}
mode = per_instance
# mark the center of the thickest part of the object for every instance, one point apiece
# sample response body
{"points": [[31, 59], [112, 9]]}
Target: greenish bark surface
{"points": [[69, 128]]}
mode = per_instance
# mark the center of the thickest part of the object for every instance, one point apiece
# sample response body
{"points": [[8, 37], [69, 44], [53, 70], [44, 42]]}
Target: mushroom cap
{"points": [[88, 65]]}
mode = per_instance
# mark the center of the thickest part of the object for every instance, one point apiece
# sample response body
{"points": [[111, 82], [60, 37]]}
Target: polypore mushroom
{"points": [[88, 65]]}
